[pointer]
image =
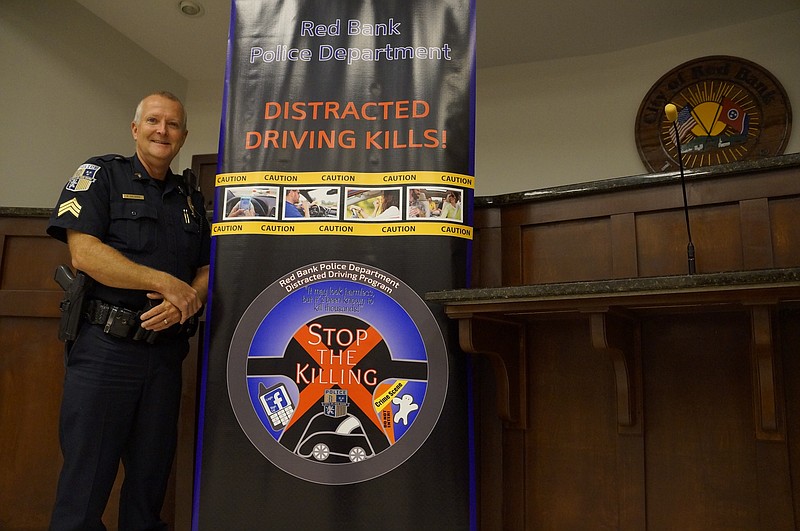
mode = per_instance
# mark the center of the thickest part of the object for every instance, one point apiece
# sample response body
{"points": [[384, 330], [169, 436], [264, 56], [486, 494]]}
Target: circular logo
{"points": [[337, 372], [729, 109]]}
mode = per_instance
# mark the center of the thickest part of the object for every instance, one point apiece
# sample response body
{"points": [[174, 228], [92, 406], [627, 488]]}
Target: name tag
{"points": [[133, 196]]}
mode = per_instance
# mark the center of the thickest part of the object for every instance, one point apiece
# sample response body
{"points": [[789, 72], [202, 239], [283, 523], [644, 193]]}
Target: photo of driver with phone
{"points": [[307, 203], [251, 202]]}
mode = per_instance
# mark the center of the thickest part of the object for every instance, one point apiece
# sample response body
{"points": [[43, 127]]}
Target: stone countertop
{"points": [[768, 279], [25, 212], [639, 181]]}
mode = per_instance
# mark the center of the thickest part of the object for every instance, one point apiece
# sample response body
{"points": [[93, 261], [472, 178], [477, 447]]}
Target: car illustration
{"points": [[334, 440]]}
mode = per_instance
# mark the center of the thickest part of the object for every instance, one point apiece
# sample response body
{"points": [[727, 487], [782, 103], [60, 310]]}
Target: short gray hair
{"points": [[164, 94]]}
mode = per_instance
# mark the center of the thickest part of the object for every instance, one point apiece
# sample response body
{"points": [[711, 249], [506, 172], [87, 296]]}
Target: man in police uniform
{"points": [[141, 234]]}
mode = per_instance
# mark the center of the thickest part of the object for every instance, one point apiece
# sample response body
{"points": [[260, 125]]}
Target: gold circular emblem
{"points": [[729, 109]]}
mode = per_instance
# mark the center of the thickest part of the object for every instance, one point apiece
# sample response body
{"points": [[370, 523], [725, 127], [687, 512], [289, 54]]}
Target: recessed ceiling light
{"points": [[190, 8]]}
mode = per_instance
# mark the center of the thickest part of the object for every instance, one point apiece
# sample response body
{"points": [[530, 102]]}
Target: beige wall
{"points": [[68, 90], [69, 85], [564, 122]]}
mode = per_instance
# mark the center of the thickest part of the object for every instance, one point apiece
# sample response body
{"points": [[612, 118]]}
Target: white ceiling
{"points": [[509, 31]]}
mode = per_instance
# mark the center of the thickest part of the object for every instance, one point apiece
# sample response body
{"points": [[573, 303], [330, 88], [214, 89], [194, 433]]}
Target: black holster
{"points": [[75, 286]]}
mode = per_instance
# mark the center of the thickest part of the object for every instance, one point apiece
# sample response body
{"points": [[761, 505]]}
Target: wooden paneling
{"points": [[717, 235], [623, 246], [29, 258], [700, 454], [571, 442], [709, 375], [757, 247], [662, 241], [738, 221], [31, 373], [205, 169], [788, 327], [695, 455], [785, 223], [31, 376], [580, 250], [487, 243], [700, 451]]}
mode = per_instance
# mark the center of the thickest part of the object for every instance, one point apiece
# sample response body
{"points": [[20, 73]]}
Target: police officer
{"points": [[141, 234]]}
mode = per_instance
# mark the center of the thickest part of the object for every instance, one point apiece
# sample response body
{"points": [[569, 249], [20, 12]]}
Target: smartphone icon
{"points": [[245, 203], [277, 404]]}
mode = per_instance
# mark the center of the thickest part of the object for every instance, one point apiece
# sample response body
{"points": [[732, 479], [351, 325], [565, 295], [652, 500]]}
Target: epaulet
{"points": [[110, 157]]}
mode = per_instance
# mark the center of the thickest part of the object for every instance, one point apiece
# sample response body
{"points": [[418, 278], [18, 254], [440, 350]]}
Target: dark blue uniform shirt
{"points": [[159, 224]]}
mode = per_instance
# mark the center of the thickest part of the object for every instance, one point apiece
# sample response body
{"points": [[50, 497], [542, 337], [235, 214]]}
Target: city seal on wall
{"points": [[729, 110]]}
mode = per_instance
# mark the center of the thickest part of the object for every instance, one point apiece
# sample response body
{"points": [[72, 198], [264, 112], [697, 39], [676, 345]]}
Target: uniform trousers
{"points": [[120, 404]]}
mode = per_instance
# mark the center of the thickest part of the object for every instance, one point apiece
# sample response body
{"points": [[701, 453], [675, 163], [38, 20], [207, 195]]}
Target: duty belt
{"points": [[119, 322]]}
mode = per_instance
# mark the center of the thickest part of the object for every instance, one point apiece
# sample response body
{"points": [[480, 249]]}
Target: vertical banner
{"points": [[333, 396]]}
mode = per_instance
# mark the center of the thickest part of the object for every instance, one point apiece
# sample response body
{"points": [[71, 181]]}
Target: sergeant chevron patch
{"points": [[72, 207]]}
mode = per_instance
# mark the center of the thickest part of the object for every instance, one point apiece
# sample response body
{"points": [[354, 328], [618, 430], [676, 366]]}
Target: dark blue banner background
{"points": [[317, 88]]}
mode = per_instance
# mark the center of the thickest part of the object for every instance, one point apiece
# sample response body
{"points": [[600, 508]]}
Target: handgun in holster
{"points": [[75, 286], [189, 328], [149, 336]]}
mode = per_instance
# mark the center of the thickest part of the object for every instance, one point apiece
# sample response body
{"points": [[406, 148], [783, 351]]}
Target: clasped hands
{"points": [[167, 313]]}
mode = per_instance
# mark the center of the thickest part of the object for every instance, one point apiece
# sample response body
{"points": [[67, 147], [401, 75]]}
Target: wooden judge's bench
{"points": [[612, 390]]}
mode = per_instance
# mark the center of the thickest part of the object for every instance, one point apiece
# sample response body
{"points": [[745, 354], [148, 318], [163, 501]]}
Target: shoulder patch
{"points": [[83, 178]]}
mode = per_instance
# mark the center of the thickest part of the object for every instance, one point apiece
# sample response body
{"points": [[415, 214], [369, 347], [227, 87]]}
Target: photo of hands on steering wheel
{"points": [[251, 202], [307, 203], [373, 204]]}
